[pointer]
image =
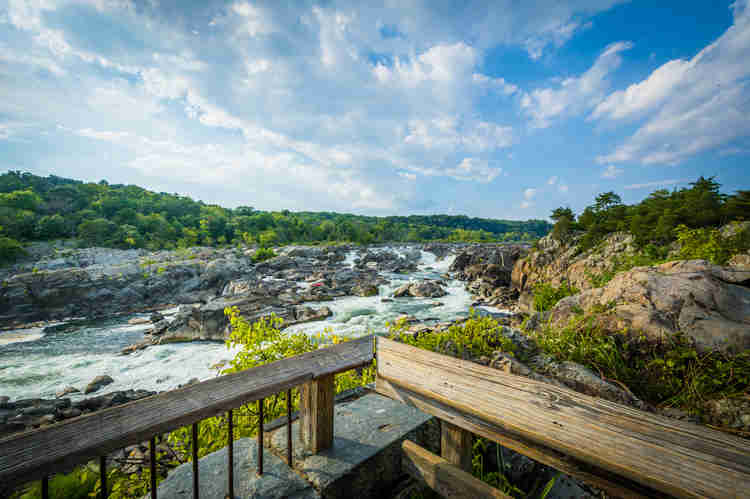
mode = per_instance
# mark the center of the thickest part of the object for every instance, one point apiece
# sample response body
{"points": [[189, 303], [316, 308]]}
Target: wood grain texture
{"points": [[30, 455], [673, 457], [316, 413], [455, 445], [443, 477]]}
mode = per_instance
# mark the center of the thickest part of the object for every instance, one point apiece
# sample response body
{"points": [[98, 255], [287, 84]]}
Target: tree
{"points": [[52, 227], [563, 212], [606, 200], [21, 200], [99, 231]]}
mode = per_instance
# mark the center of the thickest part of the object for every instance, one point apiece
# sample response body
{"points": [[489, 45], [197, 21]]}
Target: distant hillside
{"points": [[128, 216]]}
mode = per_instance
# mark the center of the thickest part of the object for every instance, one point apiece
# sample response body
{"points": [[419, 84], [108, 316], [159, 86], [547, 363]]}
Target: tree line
{"points": [[35, 208], [661, 218]]}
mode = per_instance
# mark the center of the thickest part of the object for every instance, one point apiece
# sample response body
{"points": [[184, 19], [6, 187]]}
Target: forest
{"points": [[35, 208], [692, 215]]}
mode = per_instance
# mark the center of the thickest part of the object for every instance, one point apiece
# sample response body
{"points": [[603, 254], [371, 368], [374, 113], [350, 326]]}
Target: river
{"points": [[37, 362]]}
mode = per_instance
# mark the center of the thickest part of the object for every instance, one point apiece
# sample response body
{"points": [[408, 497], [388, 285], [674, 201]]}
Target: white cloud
{"points": [[498, 84], [408, 176], [658, 183], [574, 95], [563, 188], [526, 204], [611, 172], [440, 63], [552, 180], [690, 106], [448, 132], [557, 36], [253, 22], [474, 169], [529, 193]]}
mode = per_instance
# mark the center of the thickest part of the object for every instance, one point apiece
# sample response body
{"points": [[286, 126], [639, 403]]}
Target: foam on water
{"points": [[21, 335], [38, 362]]}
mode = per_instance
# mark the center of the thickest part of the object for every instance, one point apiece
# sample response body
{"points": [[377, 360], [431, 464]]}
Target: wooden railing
{"points": [[37, 454], [626, 452]]}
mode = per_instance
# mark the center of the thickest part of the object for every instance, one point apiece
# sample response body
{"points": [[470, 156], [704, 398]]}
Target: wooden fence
{"points": [[628, 453], [36, 454]]}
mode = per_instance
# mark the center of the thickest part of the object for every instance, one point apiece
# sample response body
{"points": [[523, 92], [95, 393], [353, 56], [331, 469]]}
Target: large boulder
{"points": [[709, 303], [97, 383], [422, 289]]}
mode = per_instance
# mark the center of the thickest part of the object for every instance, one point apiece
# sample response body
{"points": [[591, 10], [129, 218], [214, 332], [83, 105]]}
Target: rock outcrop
{"points": [[707, 302], [422, 289]]}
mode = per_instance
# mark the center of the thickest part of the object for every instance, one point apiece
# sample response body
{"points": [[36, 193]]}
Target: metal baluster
{"points": [[152, 446], [260, 437], [230, 452], [289, 427], [45, 487], [195, 461], [103, 474]]}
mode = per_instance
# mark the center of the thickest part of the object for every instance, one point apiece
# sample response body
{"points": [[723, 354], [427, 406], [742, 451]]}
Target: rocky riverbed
{"points": [[70, 315]]}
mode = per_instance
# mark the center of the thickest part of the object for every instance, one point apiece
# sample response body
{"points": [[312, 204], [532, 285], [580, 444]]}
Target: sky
{"points": [[498, 109]]}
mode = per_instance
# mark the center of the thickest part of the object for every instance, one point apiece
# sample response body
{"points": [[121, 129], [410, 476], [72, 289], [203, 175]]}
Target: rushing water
{"points": [[40, 361]]}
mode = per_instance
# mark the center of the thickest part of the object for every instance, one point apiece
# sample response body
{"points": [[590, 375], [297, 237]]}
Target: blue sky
{"points": [[499, 109]]}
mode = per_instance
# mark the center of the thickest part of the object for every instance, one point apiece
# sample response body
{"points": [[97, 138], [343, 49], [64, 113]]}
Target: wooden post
{"points": [[455, 445], [316, 413]]}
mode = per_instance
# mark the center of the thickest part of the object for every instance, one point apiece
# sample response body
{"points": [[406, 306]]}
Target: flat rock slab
{"points": [[277, 481], [365, 459]]}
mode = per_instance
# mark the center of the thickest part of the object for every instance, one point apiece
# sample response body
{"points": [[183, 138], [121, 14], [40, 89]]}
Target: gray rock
{"points": [[97, 383], [66, 391], [424, 289]]}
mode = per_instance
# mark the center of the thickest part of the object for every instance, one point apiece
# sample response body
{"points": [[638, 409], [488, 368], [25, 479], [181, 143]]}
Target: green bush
{"points": [[476, 337], [263, 254], [709, 244], [546, 295], [10, 250], [668, 373]]}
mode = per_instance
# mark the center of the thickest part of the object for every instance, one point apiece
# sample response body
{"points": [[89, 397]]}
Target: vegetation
{"points": [[261, 342], [127, 216], [659, 219], [664, 373], [263, 254], [546, 295]]}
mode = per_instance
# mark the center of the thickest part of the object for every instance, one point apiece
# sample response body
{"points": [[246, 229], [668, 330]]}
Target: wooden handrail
{"points": [[38, 453], [623, 450]]}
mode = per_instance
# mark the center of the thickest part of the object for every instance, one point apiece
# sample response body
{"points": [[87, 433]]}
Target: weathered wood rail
{"points": [[627, 452], [39, 453]]}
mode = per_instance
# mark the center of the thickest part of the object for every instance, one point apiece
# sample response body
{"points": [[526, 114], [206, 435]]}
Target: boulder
{"points": [[363, 289], [66, 391], [97, 383], [422, 289], [708, 303], [308, 314]]}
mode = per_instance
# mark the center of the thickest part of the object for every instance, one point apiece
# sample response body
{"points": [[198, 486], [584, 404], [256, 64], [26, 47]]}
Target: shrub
{"points": [[10, 250], [263, 254], [546, 295], [709, 244]]}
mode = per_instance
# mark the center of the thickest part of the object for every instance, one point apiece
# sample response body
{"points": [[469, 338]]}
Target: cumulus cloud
{"points": [[449, 132], [611, 172], [689, 106], [529, 193], [576, 94], [474, 169]]}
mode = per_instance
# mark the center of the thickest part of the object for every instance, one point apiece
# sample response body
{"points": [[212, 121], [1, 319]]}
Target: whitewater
{"points": [[38, 362]]}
